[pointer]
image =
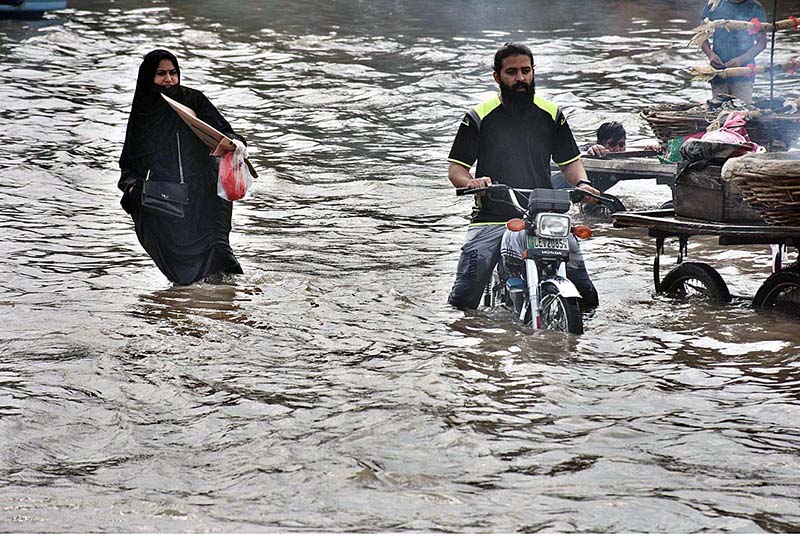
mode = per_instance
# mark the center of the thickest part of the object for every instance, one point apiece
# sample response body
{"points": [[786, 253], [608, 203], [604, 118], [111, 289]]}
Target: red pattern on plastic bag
{"points": [[234, 177]]}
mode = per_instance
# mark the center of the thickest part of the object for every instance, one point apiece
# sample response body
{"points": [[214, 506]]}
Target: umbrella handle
{"points": [[250, 167]]}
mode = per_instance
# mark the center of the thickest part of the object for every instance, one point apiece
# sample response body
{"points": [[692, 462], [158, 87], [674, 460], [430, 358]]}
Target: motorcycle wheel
{"points": [[781, 291], [561, 314], [695, 280]]}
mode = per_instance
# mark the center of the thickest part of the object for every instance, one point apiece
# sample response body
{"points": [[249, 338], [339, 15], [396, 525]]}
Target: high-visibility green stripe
{"points": [[568, 161], [454, 161], [487, 106], [548, 106], [483, 109]]}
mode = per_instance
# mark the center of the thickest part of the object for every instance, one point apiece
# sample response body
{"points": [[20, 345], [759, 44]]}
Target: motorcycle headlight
{"points": [[554, 226]]}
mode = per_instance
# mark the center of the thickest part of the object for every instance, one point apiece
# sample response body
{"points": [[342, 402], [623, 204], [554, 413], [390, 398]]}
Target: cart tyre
{"points": [[698, 277], [781, 291]]}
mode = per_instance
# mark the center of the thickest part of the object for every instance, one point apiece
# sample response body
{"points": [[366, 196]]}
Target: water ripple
{"points": [[330, 387]]}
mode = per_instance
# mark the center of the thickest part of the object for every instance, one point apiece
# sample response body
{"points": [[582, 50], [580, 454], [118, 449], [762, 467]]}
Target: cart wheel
{"points": [[781, 291], [695, 280]]}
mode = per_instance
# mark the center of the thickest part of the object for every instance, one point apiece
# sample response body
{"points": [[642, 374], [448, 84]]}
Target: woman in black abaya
{"points": [[160, 146]]}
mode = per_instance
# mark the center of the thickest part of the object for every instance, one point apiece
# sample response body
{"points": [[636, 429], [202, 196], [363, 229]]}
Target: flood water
{"points": [[330, 387]]}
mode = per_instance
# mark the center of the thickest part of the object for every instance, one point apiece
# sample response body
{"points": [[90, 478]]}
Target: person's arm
{"points": [[461, 178], [567, 155], [713, 58], [129, 178], [575, 175], [131, 185], [750, 55], [209, 113], [463, 155], [716, 61]]}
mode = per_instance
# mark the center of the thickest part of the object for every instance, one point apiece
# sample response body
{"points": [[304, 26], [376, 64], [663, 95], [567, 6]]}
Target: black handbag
{"points": [[165, 197]]}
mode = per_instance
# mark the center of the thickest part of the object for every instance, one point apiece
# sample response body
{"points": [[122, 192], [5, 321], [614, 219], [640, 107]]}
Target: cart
{"points": [[630, 165], [780, 290]]}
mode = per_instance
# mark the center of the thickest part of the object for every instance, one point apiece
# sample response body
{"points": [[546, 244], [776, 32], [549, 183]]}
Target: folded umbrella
{"points": [[207, 134]]}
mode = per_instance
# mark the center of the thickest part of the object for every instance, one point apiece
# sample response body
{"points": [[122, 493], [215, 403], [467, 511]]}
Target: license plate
{"points": [[549, 244]]}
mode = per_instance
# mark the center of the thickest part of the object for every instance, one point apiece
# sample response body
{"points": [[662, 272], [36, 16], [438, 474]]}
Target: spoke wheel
{"points": [[561, 314], [695, 281], [781, 291]]}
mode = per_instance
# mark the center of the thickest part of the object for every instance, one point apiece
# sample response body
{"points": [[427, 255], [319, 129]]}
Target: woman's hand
{"points": [[222, 147]]}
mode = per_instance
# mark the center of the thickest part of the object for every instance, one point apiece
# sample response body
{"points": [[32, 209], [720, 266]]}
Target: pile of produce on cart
{"points": [[769, 124]]}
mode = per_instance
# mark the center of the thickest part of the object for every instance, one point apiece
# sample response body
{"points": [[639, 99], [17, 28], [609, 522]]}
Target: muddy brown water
{"points": [[330, 388]]}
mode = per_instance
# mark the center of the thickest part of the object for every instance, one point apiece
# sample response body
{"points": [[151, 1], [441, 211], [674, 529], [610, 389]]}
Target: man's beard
{"points": [[518, 101]]}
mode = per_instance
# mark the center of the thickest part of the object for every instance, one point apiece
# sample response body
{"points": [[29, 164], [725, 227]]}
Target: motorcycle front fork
{"points": [[534, 297], [532, 279]]}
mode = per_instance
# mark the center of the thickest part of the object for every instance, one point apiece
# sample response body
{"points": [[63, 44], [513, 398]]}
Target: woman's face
{"points": [[166, 74]]}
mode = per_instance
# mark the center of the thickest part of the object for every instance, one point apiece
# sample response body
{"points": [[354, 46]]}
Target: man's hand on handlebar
{"points": [[589, 189], [479, 182]]}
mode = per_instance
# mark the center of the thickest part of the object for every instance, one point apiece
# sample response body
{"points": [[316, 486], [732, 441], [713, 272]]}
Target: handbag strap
{"points": [[180, 162]]}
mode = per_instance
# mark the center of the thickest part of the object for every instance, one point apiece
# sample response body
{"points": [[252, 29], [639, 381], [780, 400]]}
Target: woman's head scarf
{"points": [[146, 90], [152, 122]]}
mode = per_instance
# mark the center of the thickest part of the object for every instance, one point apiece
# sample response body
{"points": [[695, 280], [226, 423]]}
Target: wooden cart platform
{"points": [[780, 289], [665, 224], [629, 168]]}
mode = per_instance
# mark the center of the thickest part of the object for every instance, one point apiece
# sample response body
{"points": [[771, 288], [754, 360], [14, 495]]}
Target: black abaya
{"points": [[196, 246]]}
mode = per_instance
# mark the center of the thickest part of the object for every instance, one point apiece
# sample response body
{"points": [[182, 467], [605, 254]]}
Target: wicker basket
{"points": [[770, 183], [763, 126]]}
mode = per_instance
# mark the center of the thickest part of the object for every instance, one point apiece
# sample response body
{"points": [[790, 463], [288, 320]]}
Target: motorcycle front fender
{"points": [[563, 287]]}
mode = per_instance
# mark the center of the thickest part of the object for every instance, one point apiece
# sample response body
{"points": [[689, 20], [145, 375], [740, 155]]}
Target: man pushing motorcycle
{"points": [[513, 137]]}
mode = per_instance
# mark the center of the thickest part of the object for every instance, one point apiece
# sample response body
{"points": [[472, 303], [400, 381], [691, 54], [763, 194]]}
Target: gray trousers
{"points": [[741, 88], [481, 252]]}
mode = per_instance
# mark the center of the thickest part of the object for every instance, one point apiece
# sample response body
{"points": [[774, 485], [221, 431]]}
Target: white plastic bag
{"points": [[234, 176]]}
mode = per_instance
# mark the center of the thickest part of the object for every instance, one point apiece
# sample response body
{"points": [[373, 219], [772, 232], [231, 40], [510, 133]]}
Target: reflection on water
{"points": [[330, 388]]}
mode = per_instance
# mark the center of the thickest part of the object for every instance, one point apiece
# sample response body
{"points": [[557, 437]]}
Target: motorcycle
{"points": [[531, 278]]}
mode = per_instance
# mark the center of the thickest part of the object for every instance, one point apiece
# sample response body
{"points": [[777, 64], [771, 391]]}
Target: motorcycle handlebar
{"points": [[465, 191], [575, 194]]}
